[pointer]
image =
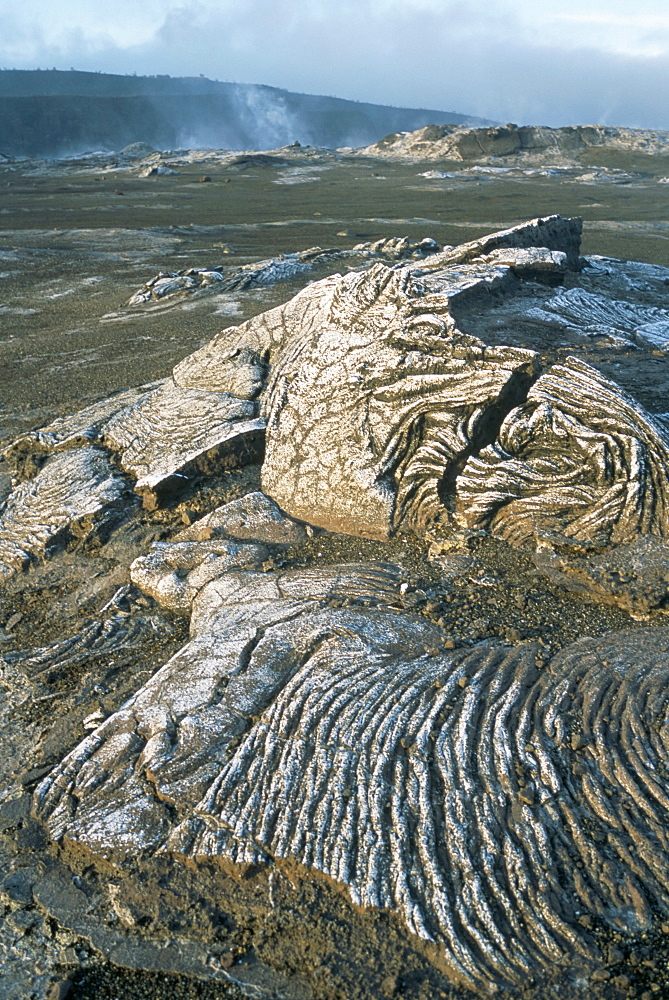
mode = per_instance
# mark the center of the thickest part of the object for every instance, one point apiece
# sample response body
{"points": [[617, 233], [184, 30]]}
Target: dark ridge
{"points": [[56, 113]]}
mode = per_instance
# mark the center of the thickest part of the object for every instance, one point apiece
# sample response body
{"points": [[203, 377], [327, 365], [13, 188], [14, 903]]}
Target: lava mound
{"points": [[496, 796]]}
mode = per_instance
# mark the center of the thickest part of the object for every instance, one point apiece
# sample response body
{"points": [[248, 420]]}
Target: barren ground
{"points": [[74, 246]]}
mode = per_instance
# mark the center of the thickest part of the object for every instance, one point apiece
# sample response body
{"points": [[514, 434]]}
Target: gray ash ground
{"points": [[67, 340], [110, 984]]}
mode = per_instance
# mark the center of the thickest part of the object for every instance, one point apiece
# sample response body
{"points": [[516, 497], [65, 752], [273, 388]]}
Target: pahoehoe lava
{"points": [[490, 796]]}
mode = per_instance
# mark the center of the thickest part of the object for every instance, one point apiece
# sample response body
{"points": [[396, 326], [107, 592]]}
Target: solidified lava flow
{"points": [[490, 795]]}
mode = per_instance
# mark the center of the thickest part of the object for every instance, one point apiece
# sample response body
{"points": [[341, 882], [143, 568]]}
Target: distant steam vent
{"points": [[53, 113]]}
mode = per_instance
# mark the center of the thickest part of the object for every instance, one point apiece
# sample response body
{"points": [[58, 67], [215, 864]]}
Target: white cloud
{"points": [[643, 32], [502, 59], [65, 24]]}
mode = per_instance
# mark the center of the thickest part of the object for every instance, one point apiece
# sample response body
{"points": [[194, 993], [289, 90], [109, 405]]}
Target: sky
{"points": [[527, 61]]}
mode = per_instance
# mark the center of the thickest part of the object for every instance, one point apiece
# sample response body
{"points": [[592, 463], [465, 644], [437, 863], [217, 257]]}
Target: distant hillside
{"points": [[54, 113]]}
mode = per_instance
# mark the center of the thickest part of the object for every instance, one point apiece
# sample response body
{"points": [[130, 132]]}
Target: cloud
{"points": [[499, 59]]}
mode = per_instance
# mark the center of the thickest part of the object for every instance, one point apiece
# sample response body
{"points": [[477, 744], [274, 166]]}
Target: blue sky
{"points": [[603, 61]]}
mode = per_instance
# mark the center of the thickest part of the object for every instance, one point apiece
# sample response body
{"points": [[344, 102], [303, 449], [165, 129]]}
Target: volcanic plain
{"points": [[79, 239]]}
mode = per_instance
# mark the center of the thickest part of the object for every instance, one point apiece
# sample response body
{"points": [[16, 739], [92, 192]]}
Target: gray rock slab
{"points": [[253, 517], [79, 429], [594, 315], [70, 496], [552, 232], [174, 573], [172, 430], [530, 262], [627, 276]]}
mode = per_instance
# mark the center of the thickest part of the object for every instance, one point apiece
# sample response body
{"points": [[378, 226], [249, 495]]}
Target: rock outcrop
{"points": [[442, 786], [497, 797], [530, 142]]}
